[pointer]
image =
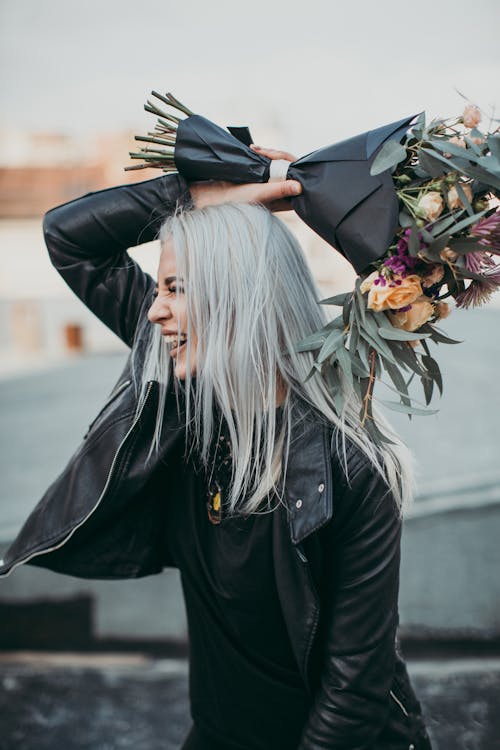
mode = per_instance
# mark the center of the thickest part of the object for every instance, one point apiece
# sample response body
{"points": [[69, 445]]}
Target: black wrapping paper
{"points": [[357, 213]]}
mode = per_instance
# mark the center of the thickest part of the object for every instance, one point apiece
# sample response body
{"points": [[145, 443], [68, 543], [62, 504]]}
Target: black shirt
{"points": [[245, 686]]}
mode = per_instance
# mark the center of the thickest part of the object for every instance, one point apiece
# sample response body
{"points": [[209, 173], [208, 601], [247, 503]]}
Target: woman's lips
{"points": [[173, 344]]}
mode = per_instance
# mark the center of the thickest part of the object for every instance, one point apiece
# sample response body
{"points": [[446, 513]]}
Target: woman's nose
{"points": [[159, 311]]}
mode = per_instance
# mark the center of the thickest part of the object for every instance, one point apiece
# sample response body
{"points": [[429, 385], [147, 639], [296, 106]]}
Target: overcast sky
{"points": [[310, 72]]}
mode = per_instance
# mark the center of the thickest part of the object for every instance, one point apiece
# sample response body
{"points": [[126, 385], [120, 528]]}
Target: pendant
{"points": [[214, 508]]}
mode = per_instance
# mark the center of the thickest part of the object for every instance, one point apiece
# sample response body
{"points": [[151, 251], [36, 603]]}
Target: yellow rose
{"points": [[431, 205], [454, 199], [418, 314], [471, 116], [367, 283], [394, 295]]}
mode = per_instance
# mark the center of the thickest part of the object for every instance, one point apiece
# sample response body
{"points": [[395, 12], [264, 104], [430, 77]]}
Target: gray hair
{"points": [[251, 297]]}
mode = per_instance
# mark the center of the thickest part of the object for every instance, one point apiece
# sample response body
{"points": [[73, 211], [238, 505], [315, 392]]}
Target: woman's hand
{"points": [[275, 195]]}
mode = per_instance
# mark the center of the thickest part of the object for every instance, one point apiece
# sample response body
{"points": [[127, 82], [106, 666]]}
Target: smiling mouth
{"points": [[174, 343]]}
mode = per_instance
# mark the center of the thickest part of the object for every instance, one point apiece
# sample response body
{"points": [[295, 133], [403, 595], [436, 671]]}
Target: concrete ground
{"points": [[108, 702]]}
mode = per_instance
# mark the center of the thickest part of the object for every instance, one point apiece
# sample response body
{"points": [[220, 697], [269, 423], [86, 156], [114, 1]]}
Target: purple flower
{"points": [[488, 230], [479, 261], [480, 290]]}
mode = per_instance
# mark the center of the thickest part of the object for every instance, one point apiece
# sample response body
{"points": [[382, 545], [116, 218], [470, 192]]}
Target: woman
{"points": [[216, 455]]}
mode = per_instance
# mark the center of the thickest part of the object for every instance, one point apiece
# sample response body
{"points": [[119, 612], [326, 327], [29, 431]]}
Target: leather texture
{"points": [[335, 550]]}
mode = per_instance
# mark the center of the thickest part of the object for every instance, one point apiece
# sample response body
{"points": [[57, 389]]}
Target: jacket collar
{"points": [[308, 479]]}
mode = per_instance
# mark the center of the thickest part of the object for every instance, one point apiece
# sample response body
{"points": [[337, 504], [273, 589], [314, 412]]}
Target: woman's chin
{"points": [[180, 370]]}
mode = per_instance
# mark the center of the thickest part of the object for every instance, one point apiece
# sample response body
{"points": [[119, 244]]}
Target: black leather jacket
{"points": [[336, 551]]}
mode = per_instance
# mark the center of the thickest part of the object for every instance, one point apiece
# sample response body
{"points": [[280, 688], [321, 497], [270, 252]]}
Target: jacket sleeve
{"points": [[88, 238], [359, 598]]}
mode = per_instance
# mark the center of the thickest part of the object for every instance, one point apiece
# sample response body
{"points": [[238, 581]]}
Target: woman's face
{"points": [[169, 312]]}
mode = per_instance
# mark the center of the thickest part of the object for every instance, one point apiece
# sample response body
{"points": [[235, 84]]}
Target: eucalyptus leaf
{"points": [[391, 153], [456, 166], [399, 382], [396, 406], [414, 242], [404, 354], [370, 333], [346, 311], [483, 175], [337, 299], [334, 341], [314, 341], [445, 222], [428, 387], [433, 369], [493, 142], [467, 222], [431, 165], [397, 334], [438, 336], [360, 301], [446, 147], [437, 246], [344, 362], [375, 433], [358, 368], [473, 146], [464, 245], [490, 163], [405, 220], [339, 400], [465, 201], [363, 350], [354, 339]]}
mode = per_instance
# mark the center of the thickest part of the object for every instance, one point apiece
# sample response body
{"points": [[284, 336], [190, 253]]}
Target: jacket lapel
{"points": [[308, 479]]}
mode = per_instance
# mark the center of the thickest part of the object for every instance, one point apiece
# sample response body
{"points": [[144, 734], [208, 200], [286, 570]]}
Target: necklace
{"points": [[219, 479]]}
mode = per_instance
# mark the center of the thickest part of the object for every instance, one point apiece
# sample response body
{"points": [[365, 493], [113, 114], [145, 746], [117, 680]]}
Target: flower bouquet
{"points": [[413, 207]]}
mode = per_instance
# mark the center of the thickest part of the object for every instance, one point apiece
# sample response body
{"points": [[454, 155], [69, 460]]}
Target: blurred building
{"points": [[40, 319]]}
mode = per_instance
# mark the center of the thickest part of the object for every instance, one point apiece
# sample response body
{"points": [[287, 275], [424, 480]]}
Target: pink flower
{"points": [[454, 200], [471, 116], [431, 205], [457, 141]]}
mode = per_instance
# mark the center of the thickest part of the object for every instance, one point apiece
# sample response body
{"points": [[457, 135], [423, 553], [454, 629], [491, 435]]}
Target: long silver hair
{"points": [[250, 297]]}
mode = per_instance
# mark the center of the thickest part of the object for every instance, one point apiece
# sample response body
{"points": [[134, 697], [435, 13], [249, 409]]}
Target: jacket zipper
{"points": [[396, 700], [106, 485], [314, 627]]}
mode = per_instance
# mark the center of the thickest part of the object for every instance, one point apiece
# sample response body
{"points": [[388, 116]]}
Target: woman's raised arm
{"points": [[88, 238]]}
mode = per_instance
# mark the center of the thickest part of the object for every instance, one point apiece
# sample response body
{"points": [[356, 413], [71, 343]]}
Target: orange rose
{"points": [[471, 116], [418, 314], [454, 199], [448, 255], [392, 296], [434, 276], [442, 310], [367, 283], [431, 205]]}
